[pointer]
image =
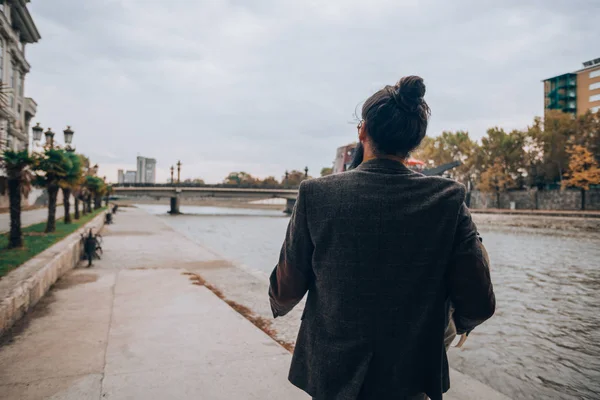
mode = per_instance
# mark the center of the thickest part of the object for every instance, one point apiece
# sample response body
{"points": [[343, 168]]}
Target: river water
{"points": [[543, 342]]}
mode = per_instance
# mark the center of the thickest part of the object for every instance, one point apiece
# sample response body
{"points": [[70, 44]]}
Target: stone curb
{"points": [[22, 288], [538, 213]]}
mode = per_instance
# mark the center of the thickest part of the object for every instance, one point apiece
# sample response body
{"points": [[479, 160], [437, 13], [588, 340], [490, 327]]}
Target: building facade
{"points": [[120, 176], [574, 92], [17, 30], [146, 170], [130, 177]]}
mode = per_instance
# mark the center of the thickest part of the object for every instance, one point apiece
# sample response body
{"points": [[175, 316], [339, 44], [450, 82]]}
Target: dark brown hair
{"points": [[396, 117]]}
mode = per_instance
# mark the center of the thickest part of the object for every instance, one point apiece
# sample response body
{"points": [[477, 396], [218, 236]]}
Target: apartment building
{"points": [[146, 170], [17, 30], [574, 92]]}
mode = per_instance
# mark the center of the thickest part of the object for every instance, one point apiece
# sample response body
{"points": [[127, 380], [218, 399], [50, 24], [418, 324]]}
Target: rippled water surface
{"points": [[543, 342]]}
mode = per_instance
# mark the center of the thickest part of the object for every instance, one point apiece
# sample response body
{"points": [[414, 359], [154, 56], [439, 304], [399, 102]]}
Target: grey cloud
{"points": [[272, 85]]}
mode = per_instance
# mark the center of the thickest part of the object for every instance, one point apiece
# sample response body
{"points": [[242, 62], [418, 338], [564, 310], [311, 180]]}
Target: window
{"points": [[18, 83], [595, 74], [1, 60], [595, 86], [13, 69], [571, 104], [595, 97], [595, 109]]}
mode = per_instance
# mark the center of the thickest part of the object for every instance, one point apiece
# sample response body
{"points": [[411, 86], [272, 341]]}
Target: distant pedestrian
{"points": [[383, 253]]}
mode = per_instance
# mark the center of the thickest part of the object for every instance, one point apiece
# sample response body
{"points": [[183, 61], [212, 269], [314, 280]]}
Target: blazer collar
{"points": [[384, 165]]}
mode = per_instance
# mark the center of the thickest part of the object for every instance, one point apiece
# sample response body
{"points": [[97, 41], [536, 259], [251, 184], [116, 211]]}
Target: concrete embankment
{"points": [[23, 287], [570, 224]]}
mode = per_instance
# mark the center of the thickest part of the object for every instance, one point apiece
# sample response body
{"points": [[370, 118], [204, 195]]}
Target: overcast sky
{"points": [[268, 85]]}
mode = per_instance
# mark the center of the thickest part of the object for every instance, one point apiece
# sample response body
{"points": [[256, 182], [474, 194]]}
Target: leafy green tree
{"points": [[549, 140], [270, 182], [19, 176], [503, 154], [294, 178], [449, 147], [326, 171], [51, 168], [240, 179]]}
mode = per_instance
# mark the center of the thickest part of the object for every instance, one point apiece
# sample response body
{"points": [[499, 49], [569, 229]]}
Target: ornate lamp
{"points": [[49, 137], [37, 132], [68, 135]]}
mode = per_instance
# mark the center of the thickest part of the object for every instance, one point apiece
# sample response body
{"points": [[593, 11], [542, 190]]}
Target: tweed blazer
{"points": [[382, 252]]}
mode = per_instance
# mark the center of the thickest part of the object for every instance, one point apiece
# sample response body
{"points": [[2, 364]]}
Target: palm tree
{"points": [[70, 182], [16, 164], [95, 187], [52, 167]]}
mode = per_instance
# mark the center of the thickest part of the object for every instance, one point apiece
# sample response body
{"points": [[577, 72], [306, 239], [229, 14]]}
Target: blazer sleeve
{"points": [[469, 283], [293, 275]]}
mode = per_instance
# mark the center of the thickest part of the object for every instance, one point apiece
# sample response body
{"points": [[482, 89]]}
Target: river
{"points": [[543, 342]]}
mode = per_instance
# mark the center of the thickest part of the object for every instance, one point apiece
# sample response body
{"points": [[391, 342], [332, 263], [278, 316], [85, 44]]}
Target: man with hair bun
{"points": [[384, 253]]}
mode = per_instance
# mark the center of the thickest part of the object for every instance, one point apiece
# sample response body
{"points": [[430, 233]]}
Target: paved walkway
{"points": [[29, 217], [135, 327]]}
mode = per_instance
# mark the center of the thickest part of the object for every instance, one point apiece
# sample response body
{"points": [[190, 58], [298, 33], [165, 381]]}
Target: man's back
{"points": [[381, 251]]}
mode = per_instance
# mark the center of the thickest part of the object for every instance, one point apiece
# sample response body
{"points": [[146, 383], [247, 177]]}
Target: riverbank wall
{"points": [[22, 288], [534, 199]]}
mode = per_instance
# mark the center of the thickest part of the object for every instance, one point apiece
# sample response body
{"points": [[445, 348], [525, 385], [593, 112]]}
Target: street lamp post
{"points": [[305, 172], [37, 132], [51, 181], [178, 172], [69, 138], [49, 138], [172, 173]]}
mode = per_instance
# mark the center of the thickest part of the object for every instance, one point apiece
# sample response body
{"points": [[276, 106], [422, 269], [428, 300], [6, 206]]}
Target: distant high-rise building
{"points": [[146, 170], [130, 177], [121, 176], [574, 92]]}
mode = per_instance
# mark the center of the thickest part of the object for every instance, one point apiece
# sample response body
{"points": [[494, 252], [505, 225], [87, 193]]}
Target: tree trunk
{"points": [[67, 204], [97, 202], [76, 207], [14, 195], [84, 204], [88, 202], [52, 193]]}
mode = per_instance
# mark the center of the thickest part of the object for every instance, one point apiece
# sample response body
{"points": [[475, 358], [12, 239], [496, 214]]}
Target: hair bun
{"points": [[409, 92]]}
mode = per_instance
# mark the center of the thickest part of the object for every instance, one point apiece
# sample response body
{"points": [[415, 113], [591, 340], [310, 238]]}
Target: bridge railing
{"points": [[201, 185]]}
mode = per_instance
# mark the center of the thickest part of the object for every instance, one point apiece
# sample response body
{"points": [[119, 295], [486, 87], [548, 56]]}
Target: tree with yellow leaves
{"points": [[583, 169]]}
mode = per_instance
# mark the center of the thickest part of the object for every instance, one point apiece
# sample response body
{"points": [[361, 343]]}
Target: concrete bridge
{"points": [[177, 192]]}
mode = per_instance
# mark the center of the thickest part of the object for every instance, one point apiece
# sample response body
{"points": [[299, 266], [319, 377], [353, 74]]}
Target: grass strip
{"points": [[36, 241]]}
